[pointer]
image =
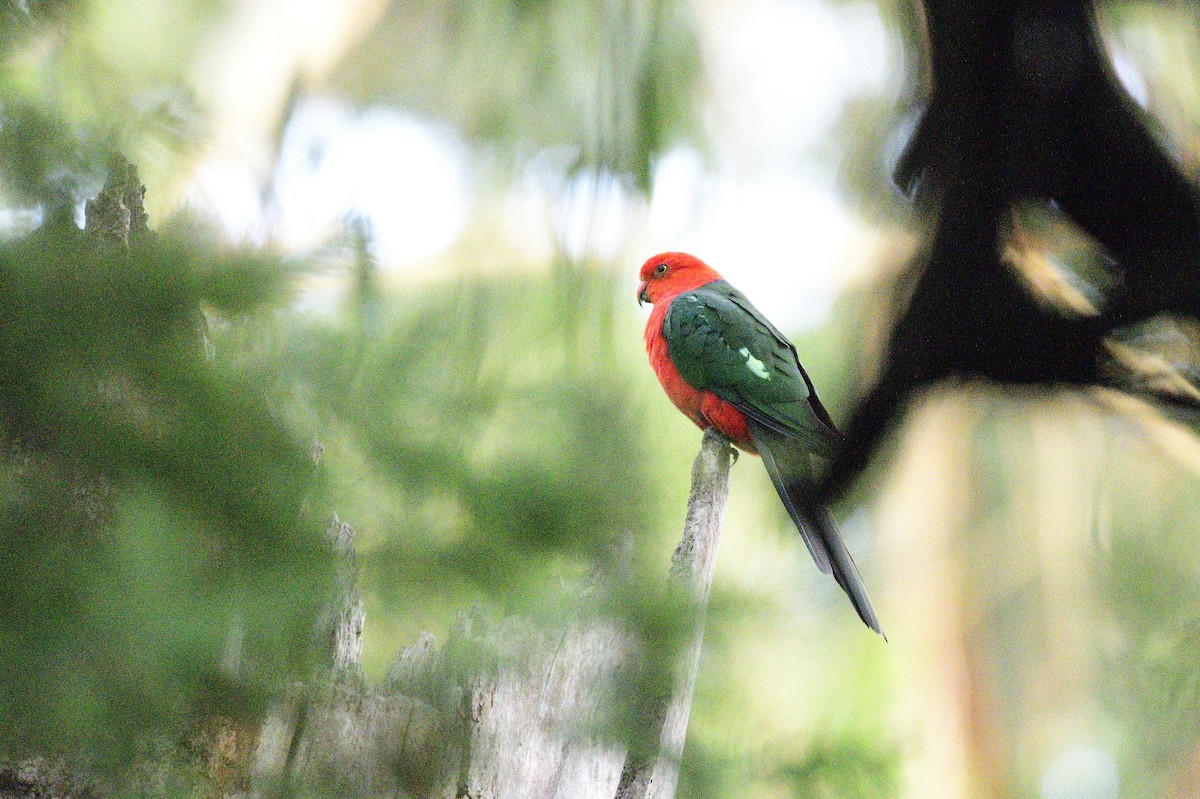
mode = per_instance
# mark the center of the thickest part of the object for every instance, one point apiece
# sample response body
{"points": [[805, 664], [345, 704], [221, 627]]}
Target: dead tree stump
{"points": [[504, 710]]}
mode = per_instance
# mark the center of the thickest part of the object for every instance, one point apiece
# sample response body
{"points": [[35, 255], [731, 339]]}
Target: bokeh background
{"points": [[405, 235]]}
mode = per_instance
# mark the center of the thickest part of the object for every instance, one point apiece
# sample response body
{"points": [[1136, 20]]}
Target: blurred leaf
{"points": [[844, 768], [618, 82], [160, 564]]}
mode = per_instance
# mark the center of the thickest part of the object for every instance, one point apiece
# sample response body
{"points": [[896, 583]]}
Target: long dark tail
{"points": [[790, 474]]}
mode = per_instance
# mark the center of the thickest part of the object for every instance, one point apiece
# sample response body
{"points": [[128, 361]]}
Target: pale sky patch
{"points": [[408, 179]]}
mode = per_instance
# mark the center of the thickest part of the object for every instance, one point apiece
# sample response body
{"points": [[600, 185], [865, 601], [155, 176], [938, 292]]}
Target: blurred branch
{"points": [[39, 778], [500, 710], [310, 731], [117, 216], [346, 625], [1025, 105], [1138, 372], [654, 774]]}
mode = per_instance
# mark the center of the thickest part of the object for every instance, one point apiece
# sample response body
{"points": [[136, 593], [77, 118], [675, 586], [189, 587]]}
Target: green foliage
{"points": [[472, 445], [843, 768], [79, 80], [161, 527], [1148, 679], [163, 518], [615, 82]]}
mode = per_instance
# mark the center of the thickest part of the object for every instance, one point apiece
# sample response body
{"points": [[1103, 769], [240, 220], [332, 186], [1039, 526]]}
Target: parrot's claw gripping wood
{"points": [[712, 432]]}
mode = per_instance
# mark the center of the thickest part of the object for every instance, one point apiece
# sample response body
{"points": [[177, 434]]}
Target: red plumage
{"points": [[704, 408], [725, 343]]}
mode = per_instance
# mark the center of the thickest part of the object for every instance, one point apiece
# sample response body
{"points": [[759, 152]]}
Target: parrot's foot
{"points": [[712, 432]]}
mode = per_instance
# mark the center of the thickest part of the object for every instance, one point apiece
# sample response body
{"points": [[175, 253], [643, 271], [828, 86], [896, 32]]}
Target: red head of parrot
{"points": [[669, 274]]}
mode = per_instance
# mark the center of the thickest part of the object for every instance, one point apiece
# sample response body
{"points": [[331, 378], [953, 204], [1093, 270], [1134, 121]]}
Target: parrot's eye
{"points": [[661, 269]]}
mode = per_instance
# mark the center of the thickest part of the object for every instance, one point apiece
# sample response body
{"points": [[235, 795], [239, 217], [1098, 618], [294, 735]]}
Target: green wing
{"points": [[720, 342]]}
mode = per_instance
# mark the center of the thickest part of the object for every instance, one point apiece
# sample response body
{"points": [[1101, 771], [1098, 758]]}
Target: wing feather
{"points": [[790, 474], [721, 343]]}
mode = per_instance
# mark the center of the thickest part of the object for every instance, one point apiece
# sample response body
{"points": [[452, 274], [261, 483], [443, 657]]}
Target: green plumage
{"points": [[719, 342]]}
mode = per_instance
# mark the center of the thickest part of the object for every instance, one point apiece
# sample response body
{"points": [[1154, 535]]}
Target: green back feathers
{"points": [[720, 342]]}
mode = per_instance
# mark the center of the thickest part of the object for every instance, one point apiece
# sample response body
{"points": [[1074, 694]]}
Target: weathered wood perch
{"points": [[504, 710], [692, 568]]}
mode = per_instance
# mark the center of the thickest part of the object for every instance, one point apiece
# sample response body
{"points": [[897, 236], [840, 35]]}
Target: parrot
{"points": [[726, 367]]}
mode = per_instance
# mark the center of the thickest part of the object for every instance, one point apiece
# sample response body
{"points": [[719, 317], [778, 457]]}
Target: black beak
{"points": [[643, 294]]}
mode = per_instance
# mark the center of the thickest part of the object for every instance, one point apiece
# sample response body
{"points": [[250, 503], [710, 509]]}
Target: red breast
{"points": [[706, 409]]}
